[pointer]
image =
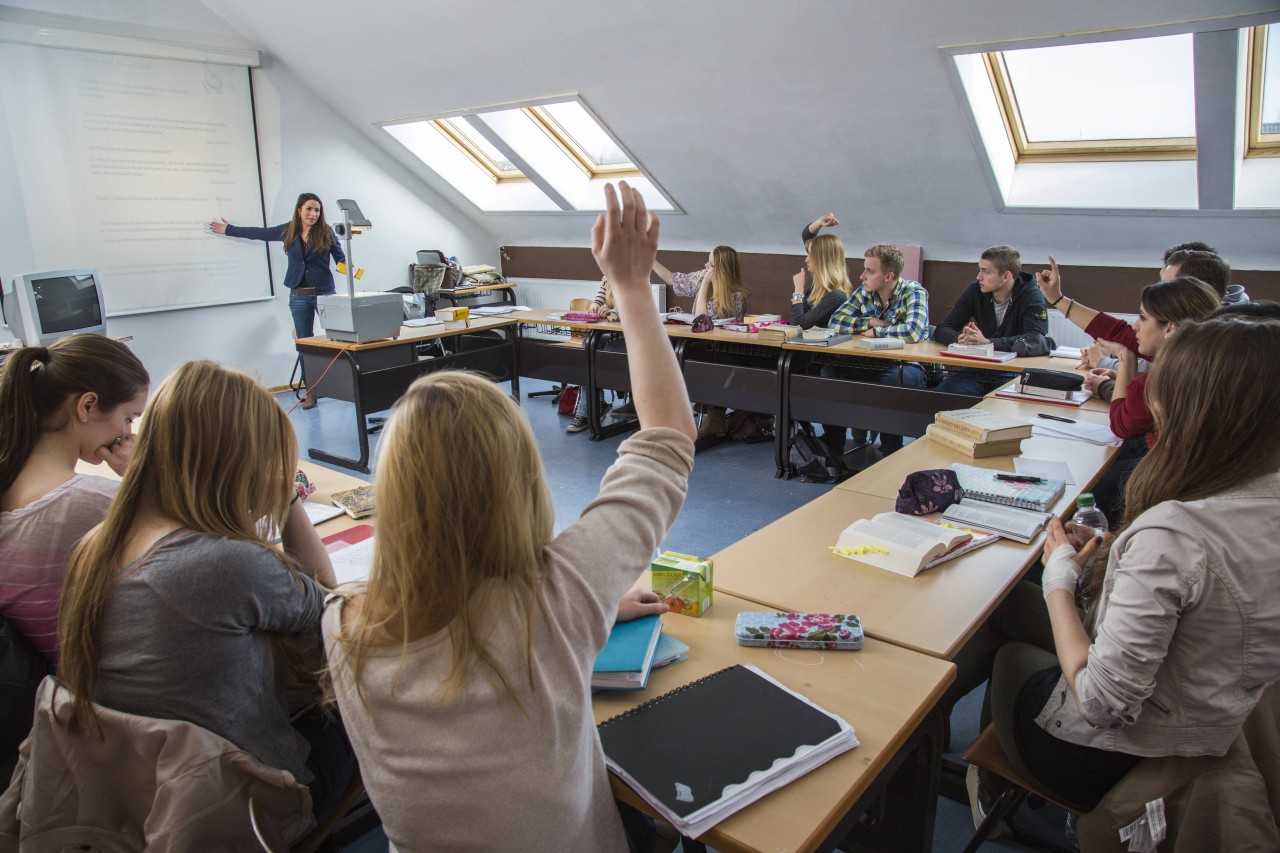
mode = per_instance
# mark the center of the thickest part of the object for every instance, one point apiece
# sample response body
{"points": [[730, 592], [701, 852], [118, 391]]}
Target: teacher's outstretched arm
{"points": [[624, 242]]}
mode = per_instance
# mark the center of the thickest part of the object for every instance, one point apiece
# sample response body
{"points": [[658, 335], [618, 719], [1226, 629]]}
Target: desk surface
{"points": [[477, 288], [930, 352], [787, 566], [413, 333], [883, 691], [1086, 461]]}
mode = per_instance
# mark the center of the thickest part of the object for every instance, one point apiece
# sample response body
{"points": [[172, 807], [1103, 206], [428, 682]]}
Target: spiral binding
{"points": [[657, 699]]}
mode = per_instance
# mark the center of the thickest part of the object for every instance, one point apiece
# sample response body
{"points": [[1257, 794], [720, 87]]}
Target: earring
{"points": [[85, 420]]}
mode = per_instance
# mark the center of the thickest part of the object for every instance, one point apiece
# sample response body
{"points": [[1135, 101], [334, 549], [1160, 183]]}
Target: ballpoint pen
{"points": [[1019, 478], [1054, 418]]}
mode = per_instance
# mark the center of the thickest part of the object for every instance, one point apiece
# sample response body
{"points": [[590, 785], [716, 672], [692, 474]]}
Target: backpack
{"points": [[810, 459], [749, 427]]}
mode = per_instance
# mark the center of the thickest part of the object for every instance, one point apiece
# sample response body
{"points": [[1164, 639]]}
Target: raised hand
{"points": [[624, 240], [219, 227], [1050, 281]]}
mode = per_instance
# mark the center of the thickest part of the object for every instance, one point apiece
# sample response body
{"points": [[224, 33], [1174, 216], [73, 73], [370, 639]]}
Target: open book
{"points": [[1020, 525], [906, 544]]}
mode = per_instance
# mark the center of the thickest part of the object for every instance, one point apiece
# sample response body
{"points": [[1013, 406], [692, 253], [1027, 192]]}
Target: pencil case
{"points": [[829, 631], [1054, 380]]}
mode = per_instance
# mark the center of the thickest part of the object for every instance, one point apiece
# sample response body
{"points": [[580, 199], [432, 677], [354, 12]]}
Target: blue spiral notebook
{"points": [[980, 484]]}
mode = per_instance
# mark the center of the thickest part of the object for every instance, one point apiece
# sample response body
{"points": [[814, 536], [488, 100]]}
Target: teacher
{"points": [[309, 242]]}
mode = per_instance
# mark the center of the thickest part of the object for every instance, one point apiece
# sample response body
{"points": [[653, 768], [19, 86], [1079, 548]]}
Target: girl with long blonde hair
{"points": [[831, 288], [1182, 638], [462, 667], [178, 605], [717, 288]]}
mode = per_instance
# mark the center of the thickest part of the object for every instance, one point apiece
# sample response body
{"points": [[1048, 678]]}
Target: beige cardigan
{"points": [[162, 785]]}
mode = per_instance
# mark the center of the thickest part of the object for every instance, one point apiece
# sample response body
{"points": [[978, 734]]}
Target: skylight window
{"points": [[1131, 99], [536, 156], [1264, 92]]}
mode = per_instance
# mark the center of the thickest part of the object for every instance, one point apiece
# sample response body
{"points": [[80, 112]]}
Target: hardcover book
{"points": [[357, 502], [972, 447], [982, 425]]}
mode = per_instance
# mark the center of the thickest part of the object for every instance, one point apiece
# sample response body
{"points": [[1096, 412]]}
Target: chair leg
{"points": [[353, 794], [1008, 801]]}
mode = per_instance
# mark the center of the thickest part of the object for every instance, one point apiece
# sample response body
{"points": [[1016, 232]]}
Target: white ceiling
{"points": [[754, 115]]}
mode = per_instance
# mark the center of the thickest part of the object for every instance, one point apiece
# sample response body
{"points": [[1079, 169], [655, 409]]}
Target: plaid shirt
{"points": [[907, 312]]}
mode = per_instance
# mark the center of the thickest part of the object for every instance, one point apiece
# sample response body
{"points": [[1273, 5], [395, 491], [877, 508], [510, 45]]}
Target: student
{"points": [[719, 292], [73, 401], [1004, 308], [463, 666], [309, 243], [885, 306], [179, 607], [1209, 267], [1181, 638], [824, 260], [1164, 306], [601, 305]]}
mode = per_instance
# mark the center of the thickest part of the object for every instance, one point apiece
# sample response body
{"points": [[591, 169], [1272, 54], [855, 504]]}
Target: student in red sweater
{"points": [[1164, 306]]}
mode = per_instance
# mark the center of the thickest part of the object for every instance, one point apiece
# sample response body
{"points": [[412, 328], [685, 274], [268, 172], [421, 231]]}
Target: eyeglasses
{"points": [[703, 323]]}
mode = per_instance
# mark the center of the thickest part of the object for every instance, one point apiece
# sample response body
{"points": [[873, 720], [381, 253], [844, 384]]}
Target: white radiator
{"points": [[1067, 334], [557, 293]]}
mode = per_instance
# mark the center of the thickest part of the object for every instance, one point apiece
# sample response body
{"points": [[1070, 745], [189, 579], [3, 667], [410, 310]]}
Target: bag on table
{"points": [[928, 491]]}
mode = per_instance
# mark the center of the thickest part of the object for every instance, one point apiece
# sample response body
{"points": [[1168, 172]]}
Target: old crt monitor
{"points": [[41, 307]]}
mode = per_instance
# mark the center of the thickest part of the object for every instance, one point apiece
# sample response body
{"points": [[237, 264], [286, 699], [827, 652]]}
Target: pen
{"points": [[1019, 478], [1054, 418]]}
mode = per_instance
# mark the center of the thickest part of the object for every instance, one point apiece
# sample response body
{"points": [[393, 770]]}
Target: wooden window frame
{"points": [[574, 151], [1024, 151], [1257, 144], [467, 147]]}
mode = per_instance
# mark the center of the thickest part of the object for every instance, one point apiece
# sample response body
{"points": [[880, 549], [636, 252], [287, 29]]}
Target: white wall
{"points": [[304, 147]]}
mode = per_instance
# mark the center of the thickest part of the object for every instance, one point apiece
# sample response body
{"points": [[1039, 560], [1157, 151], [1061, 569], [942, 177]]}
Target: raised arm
{"points": [[1050, 283], [826, 220], [663, 272], [275, 232], [624, 242]]}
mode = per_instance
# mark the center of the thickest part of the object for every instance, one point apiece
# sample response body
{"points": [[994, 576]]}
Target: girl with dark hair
{"points": [[74, 400], [309, 243]]}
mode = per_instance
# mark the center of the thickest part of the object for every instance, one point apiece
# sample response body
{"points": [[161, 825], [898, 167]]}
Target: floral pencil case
{"points": [[834, 631]]}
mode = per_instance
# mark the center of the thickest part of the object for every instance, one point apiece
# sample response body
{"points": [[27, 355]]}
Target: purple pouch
{"points": [[928, 491]]}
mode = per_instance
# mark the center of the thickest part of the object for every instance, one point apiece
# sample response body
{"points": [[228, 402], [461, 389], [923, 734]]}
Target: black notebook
{"points": [[690, 753]]}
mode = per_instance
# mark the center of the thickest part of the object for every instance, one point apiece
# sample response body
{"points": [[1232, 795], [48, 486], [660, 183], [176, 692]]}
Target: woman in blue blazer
{"points": [[309, 243]]}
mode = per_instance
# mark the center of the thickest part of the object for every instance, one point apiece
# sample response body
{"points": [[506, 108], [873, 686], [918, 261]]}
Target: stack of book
{"points": [[978, 434]]}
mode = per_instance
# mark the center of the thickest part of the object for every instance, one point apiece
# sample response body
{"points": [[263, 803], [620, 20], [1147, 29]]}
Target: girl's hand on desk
{"points": [[1097, 376], [624, 240], [117, 453], [639, 602]]}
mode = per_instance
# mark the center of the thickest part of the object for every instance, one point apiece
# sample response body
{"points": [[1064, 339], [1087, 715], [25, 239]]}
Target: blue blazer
{"points": [[303, 263]]}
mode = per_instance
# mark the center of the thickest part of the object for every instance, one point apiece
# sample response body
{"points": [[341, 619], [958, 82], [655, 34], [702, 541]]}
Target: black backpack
{"points": [[810, 458]]}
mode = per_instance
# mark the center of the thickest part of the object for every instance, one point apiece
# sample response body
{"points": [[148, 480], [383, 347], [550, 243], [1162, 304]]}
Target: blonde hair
{"points": [[216, 454], [726, 281], [826, 262], [465, 515]]}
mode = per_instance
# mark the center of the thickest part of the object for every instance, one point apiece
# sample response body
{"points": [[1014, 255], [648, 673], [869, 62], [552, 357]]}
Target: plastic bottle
{"points": [[1088, 522]]}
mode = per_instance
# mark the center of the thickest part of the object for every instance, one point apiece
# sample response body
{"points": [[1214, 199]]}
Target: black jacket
{"points": [[1026, 323]]}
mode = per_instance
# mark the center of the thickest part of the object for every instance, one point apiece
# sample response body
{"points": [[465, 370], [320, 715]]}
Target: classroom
{"points": [[158, 143]]}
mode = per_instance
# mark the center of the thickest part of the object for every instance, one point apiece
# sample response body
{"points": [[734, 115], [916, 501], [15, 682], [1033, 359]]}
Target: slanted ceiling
{"points": [[754, 115]]}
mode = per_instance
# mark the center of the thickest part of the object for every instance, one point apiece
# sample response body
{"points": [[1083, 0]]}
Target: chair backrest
{"points": [[431, 256], [165, 785]]}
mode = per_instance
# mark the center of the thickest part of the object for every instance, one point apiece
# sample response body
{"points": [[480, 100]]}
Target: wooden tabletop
{"points": [[882, 691], [1086, 461], [930, 352], [477, 288], [787, 565], [415, 333], [327, 481]]}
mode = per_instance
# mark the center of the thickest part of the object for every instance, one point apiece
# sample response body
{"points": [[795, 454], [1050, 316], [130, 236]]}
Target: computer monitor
{"points": [[41, 307]]}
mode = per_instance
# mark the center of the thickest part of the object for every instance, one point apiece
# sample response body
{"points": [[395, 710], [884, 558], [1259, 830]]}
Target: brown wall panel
{"points": [[768, 276]]}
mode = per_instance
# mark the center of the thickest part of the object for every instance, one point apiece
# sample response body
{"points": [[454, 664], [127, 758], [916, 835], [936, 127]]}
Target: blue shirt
{"points": [[304, 264]]}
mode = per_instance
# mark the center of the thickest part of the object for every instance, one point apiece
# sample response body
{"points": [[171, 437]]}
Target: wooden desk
{"points": [[886, 693], [787, 566], [373, 375], [505, 290], [1086, 461]]}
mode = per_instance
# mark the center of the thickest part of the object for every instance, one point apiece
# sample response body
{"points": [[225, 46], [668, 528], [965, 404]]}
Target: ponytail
{"points": [[36, 382]]}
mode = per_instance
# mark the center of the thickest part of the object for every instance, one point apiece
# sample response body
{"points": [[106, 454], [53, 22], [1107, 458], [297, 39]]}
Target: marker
{"points": [[1054, 418], [1019, 478]]}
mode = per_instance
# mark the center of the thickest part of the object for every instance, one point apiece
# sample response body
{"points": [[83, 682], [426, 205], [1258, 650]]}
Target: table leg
{"points": [[360, 464]]}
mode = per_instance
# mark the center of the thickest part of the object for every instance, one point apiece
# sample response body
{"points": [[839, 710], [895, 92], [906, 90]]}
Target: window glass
{"points": [[589, 137]]}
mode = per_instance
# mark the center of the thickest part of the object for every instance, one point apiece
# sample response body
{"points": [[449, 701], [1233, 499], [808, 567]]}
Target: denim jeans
{"points": [[969, 380], [907, 375], [303, 309]]}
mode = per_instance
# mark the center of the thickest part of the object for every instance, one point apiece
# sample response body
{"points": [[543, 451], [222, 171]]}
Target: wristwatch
{"points": [[797, 297]]}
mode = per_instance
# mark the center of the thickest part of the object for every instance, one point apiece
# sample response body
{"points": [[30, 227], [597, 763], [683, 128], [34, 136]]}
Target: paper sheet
{"points": [[1077, 431], [318, 512], [353, 562], [1047, 468]]}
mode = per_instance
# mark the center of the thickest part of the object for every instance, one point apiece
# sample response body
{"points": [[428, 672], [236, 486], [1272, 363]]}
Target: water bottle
{"points": [[1088, 522]]}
